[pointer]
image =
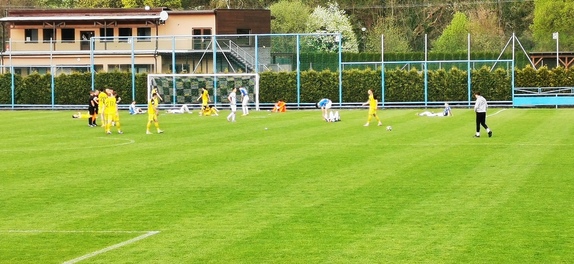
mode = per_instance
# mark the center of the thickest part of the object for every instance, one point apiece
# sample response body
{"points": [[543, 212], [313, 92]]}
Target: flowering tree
{"points": [[330, 19]]}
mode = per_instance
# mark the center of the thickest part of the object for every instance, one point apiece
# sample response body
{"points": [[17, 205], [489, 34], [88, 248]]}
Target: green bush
{"points": [[401, 85]]}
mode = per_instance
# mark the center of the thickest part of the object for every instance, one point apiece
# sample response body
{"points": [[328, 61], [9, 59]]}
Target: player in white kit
{"points": [[244, 100], [232, 97]]}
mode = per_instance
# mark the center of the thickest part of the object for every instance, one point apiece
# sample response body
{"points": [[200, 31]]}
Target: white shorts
{"points": [[245, 100], [234, 108], [328, 106]]}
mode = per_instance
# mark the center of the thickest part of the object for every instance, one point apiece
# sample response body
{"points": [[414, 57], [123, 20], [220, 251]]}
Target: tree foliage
{"points": [[331, 19], [486, 34], [454, 37], [394, 39], [533, 21], [549, 17], [290, 16]]}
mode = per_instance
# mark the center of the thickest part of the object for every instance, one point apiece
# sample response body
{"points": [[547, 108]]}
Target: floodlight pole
{"points": [[468, 70], [425, 71], [556, 37], [382, 70], [339, 39]]}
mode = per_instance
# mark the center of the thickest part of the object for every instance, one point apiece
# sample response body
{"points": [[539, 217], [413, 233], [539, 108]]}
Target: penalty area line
{"points": [[112, 247]]}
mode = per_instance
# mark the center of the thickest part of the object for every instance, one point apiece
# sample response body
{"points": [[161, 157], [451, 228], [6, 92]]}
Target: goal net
{"points": [[186, 88]]}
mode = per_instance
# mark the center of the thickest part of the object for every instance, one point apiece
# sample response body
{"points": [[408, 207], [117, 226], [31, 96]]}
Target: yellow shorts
{"points": [[372, 111], [112, 117], [151, 117]]}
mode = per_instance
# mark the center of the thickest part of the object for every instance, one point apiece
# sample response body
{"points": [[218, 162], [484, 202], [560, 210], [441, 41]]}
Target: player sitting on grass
{"points": [[334, 117], [280, 106], [135, 110], [210, 110]]}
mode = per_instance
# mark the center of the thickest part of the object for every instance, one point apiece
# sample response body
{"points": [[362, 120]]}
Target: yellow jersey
{"points": [[102, 99], [204, 97], [152, 106], [372, 102], [111, 105]]}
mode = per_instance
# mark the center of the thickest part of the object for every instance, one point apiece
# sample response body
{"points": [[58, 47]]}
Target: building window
{"points": [[124, 34], [48, 34], [106, 35], [31, 35], [246, 40], [144, 34], [203, 40], [68, 35]]}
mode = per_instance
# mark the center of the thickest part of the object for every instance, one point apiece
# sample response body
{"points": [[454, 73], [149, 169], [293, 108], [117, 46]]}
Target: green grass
{"points": [[302, 191]]}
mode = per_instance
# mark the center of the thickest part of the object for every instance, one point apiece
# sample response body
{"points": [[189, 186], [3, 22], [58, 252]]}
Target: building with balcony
{"points": [[148, 40]]}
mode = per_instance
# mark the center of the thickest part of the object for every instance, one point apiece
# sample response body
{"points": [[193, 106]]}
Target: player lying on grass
{"points": [[80, 115], [181, 110], [446, 112]]}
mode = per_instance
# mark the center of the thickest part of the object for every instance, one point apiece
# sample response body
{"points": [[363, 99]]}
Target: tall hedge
{"points": [[401, 85]]}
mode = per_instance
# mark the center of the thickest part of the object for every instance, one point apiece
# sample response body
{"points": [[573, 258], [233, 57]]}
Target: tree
{"points": [[330, 19], [516, 17], [553, 16], [486, 34], [173, 4], [454, 36], [395, 40], [289, 16], [99, 3], [132, 3]]}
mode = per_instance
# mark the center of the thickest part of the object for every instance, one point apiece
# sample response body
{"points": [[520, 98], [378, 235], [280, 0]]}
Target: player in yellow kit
{"points": [[204, 100], [111, 112], [102, 105], [372, 102], [155, 91], [152, 112]]}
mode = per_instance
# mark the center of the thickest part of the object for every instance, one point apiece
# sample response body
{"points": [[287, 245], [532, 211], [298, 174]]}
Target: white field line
{"points": [[498, 112], [126, 142], [97, 252], [112, 247]]}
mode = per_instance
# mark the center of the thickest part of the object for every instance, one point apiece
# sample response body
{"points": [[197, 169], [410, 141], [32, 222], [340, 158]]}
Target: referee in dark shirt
{"points": [[93, 109]]}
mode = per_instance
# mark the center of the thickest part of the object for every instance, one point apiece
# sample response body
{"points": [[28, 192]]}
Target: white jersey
{"points": [[232, 98], [480, 106]]}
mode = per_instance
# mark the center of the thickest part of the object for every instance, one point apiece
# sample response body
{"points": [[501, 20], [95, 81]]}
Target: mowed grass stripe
{"points": [[306, 190]]}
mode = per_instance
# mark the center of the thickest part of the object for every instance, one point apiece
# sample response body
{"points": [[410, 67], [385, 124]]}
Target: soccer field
{"points": [[300, 191]]}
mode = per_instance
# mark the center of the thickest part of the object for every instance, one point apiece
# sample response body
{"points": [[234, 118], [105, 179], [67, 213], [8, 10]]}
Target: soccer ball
{"points": [[389, 128]]}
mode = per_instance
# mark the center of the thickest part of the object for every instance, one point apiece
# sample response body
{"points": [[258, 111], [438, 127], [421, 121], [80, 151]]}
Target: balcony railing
{"points": [[126, 45]]}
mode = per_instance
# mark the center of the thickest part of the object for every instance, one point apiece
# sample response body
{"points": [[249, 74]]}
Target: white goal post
{"points": [[186, 88]]}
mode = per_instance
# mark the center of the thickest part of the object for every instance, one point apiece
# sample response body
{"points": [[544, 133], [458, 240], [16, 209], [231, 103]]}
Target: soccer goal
{"points": [[186, 88]]}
